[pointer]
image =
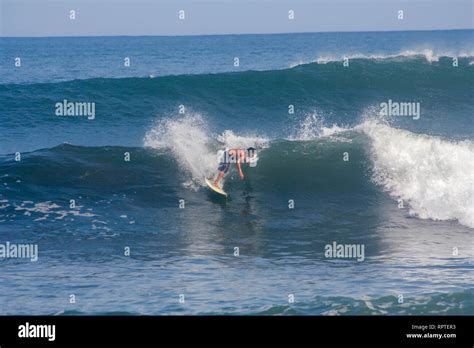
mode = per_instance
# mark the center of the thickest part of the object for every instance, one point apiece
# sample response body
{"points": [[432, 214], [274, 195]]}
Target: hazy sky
{"points": [[160, 17]]}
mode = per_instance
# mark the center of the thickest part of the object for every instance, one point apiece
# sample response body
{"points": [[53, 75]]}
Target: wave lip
{"points": [[434, 176], [429, 55]]}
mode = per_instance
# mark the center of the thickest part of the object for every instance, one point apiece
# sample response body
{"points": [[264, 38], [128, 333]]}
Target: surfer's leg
{"points": [[219, 178], [223, 168]]}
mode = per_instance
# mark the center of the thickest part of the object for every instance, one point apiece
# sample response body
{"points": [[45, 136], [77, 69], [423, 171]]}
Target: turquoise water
{"points": [[427, 163]]}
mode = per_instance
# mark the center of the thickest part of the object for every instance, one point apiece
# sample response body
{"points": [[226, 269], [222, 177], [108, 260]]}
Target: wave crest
{"points": [[429, 55], [435, 176]]}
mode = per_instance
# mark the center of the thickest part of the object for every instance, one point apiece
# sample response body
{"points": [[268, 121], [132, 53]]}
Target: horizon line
{"points": [[234, 34]]}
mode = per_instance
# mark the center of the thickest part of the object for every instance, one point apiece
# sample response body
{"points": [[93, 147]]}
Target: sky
{"points": [[32, 18]]}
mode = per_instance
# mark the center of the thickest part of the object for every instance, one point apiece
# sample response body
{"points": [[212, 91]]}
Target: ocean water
{"points": [[427, 163]]}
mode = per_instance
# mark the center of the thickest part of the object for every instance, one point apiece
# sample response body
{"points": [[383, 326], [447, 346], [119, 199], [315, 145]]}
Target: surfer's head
{"points": [[251, 152]]}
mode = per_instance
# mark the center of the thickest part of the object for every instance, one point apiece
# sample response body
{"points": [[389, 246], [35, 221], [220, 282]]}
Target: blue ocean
{"points": [[125, 224]]}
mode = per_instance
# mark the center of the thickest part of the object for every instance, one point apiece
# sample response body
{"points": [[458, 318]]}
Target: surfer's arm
{"points": [[239, 168]]}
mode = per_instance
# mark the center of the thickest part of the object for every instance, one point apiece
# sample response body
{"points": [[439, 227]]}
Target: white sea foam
{"points": [[49, 208], [429, 54], [434, 176], [313, 127], [231, 140], [194, 147]]}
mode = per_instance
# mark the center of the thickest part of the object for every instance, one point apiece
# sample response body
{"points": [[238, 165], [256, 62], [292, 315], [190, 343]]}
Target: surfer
{"points": [[236, 156]]}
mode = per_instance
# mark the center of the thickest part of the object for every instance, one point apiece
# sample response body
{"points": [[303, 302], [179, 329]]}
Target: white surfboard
{"points": [[216, 189]]}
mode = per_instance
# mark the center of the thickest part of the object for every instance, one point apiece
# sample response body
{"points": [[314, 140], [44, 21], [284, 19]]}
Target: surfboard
{"points": [[216, 189]]}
